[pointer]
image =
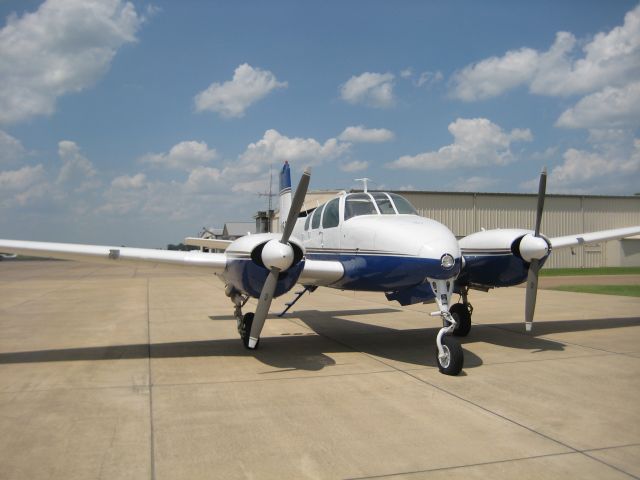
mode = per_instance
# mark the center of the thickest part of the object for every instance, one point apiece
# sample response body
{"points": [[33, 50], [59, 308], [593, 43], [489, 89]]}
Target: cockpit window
{"points": [[331, 217], [384, 203], [315, 222], [358, 204], [403, 205]]}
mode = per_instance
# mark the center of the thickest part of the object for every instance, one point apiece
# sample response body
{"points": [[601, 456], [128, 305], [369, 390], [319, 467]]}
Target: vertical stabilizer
{"points": [[285, 194]]}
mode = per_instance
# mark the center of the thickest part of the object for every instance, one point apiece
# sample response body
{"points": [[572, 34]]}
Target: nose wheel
{"points": [[449, 353], [451, 359]]}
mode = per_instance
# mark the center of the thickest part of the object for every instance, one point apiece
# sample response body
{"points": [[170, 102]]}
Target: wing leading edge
{"points": [[106, 254], [602, 236]]}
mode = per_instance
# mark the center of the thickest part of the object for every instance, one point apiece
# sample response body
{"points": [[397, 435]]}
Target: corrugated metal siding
{"points": [[465, 213], [455, 211]]}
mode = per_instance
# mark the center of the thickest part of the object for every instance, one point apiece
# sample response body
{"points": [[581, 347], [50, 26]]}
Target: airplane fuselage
{"points": [[384, 253]]}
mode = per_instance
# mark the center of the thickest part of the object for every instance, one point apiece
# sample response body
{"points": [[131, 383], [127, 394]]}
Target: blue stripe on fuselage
{"points": [[493, 270], [383, 273]]}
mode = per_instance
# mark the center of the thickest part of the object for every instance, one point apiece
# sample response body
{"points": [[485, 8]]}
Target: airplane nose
{"points": [[446, 256]]}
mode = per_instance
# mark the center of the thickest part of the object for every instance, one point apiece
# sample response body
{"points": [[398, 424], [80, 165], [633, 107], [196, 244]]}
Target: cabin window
{"points": [[308, 221], [315, 222], [403, 205], [358, 204], [384, 203], [331, 216]]}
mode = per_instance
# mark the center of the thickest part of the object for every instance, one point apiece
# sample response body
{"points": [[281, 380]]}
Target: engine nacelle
{"points": [[250, 258], [500, 257]]}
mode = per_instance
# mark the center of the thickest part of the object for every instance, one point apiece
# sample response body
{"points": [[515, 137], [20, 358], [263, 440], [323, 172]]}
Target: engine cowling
{"points": [[500, 257], [250, 258]]}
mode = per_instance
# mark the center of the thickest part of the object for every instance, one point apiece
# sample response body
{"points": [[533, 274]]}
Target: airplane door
{"points": [[330, 232]]}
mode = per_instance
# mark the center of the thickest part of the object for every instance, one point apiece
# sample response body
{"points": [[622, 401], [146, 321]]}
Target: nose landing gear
{"points": [[449, 356], [245, 321]]}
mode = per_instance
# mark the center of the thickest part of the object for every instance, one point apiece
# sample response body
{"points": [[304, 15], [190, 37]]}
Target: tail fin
{"points": [[285, 194]]}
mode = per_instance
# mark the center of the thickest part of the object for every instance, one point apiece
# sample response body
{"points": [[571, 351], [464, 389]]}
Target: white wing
{"points": [[604, 235], [214, 243], [213, 262]]}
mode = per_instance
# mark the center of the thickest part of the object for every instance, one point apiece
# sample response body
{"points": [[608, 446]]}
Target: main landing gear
{"points": [[456, 322], [245, 321], [461, 312]]}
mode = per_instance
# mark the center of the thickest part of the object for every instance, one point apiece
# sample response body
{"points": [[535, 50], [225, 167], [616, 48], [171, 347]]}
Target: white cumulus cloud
{"points": [[493, 76], [360, 134], [476, 142], [275, 148], [610, 165], [233, 97], [355, 166], [11, 149], [609, 108], [609, 59], [126, 182], [76, 171], [372, 89], [16, 180], [182, 156], [203, 179], [64, 46]]}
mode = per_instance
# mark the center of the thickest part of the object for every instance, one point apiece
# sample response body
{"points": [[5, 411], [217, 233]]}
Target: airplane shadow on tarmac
{"points": [[329, 333]]}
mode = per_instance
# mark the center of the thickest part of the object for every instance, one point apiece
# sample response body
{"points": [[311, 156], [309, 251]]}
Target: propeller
{"points": [[277, 256], [536, 251]]}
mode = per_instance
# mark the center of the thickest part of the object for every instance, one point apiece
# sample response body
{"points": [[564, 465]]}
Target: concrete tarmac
{"points": [[116, 372]]}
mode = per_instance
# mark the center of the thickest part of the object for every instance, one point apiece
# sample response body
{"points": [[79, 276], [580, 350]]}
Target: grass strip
{"points": [[622, 290], [567, 272]]}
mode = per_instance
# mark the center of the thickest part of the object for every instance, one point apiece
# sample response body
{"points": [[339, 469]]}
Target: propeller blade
{"points": [[262, 310], [296, 205], [534, 266], [542, 188], [532, 293], [270, 284]]}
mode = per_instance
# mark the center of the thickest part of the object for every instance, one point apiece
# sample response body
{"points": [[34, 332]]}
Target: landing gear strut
{"points": [[245, 321], [449, 355]]}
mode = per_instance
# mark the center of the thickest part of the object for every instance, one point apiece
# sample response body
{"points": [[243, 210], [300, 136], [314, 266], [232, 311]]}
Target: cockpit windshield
{"points": [[358, 204], [384, 203], [402, 204], [376, 203]]}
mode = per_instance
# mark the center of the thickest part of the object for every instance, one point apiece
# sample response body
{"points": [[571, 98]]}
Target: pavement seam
{"points": [[497, 327], [496, 462], [152, 452], [157, 386]]}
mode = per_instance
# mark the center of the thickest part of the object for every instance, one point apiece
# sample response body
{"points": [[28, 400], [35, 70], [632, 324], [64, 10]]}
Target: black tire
{"points": [[461, 313], [245, 330], [452, 365]]}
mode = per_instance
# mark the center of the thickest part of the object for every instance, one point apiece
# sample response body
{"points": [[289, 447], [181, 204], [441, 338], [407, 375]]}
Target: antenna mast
{"points": [[270, 196], [364, 181]]}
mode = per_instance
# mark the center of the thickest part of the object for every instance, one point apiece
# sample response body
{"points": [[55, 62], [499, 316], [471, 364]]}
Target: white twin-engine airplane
{"points": [[369, 241]]}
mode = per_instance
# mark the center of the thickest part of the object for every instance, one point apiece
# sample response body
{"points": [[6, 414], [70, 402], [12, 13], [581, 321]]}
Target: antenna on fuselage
{"points": [[364, 182]]}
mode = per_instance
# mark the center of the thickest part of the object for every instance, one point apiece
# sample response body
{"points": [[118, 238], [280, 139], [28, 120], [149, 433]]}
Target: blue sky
{"points": [[139, 122]]}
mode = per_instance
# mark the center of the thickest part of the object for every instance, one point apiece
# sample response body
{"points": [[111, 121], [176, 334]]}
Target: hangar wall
{"points": [[465, 213]]}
